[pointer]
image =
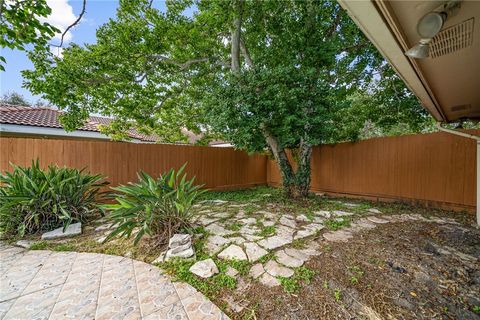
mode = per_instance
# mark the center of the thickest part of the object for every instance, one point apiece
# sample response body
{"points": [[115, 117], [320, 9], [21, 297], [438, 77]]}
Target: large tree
{"points": [[263, 73]]}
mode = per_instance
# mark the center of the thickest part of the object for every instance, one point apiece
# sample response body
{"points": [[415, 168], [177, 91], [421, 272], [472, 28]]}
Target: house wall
{"points": [[217, 168], [436, 170]]}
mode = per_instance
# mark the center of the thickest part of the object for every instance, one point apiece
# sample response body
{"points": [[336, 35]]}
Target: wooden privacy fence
{"points": [[217, 168], [435, 169]]}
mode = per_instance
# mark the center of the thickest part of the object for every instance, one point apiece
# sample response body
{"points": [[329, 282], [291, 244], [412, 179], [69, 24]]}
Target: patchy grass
{"points": [[267, 231], [334, 224], [234, 226], [302, 276]]}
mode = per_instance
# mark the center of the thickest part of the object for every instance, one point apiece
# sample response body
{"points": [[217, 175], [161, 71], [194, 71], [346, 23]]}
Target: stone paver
{"points": [[254, 251], [288, 260], [70, 285], [205, 268], [233, 252], [275, 242], [276, 270], [72, 230]]}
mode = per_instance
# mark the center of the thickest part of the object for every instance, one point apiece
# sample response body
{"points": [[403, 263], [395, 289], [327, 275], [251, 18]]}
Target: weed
{"points": [[334, 224], [337, 294], [266, 258], [476, 309], [267, 231], [325, 284], [299, 243], [42, 245], [353, 280], [234, 226], [302, 275]]}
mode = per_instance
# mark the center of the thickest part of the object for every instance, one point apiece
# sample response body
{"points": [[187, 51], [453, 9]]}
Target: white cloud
{"points": [[61, 17]]}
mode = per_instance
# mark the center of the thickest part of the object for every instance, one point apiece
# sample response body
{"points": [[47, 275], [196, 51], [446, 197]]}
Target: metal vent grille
{"points": [[452, 39]]}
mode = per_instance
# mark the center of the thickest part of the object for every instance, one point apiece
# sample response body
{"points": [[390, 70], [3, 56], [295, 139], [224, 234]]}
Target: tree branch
{"points": [[236, 32], [246, 54], [72, 25]]}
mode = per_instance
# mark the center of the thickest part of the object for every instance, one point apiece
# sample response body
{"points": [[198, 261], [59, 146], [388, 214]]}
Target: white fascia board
{"points": [[372, 23], [54, 132]]}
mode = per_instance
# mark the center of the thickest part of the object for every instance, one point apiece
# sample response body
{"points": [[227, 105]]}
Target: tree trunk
{"points": [[295, 183]]}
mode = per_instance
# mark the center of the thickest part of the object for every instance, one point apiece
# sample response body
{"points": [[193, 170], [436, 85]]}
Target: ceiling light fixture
{"points": [[429, 26]]}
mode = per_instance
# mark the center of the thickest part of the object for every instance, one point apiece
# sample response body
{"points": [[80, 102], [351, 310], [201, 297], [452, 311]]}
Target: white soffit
{"points": [[369, 18]]}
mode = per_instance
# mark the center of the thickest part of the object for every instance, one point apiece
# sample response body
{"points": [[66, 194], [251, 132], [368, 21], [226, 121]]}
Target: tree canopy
{"points": [[21, 24], [263, 74]]}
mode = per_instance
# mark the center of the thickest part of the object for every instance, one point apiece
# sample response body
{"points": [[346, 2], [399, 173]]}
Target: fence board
{"points": [[435, 169], [217, 168]]}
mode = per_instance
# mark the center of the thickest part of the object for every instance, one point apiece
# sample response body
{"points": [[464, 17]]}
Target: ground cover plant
{"points": [[33, 199], [365, 273], [157, 208]]}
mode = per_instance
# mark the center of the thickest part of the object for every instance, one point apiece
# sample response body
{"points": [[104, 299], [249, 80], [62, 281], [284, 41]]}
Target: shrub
{"points": [[156, 207], [32, 199]]}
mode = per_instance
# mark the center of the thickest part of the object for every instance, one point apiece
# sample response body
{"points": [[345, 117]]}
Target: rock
{"points": [[254, 251], [217, 229], [205, 268], [287, 260], [268, 223], [365, 224], [232, 272], [219, 201], [276, 270], [72, 230], [187, 253], [25, 243], [206, 220], [250, 237], [284, 231], [236, 240], [374, 210], [249, 221], [338, 236], [339, 213], [302, 217], [160, 258], [249, 229], [233, 252], [128, 254], [351, 205], [269, 280], [256, 271], [215, 243], [288, 222], [315, 227], [179, 246], [377, 220], [179, 239], [304, 233], [297, 254], [275, 242], [323, 213]]}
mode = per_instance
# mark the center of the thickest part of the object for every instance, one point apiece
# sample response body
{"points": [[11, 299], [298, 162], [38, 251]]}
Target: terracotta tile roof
{"points": [[48, 117]]}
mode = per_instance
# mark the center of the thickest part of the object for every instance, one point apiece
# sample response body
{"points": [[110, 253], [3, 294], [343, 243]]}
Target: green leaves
{"points": [[32, 199], [20, 24], [156, 207]]}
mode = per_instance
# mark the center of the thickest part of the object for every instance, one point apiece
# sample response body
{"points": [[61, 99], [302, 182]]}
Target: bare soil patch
{"points": [[409, 270]]}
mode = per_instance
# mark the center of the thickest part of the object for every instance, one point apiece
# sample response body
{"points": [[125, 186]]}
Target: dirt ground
{"points": [[403, 270]]}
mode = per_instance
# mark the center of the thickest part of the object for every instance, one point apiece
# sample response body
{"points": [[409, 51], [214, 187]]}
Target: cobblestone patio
{"points": [[70, 285]]}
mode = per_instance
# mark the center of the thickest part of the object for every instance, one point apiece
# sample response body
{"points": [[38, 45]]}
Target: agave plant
{"points": [[155, 207], [32, 199]]}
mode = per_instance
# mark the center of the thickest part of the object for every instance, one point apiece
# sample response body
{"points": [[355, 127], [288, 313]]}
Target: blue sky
{"points": [[97, 13]]}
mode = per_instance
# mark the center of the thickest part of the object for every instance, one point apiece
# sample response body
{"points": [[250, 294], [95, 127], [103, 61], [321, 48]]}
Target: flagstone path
{"points": [[68, 285]]}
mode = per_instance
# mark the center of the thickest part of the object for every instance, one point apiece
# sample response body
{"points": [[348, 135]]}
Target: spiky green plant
{"points": [[32, 199], [155, 207]]}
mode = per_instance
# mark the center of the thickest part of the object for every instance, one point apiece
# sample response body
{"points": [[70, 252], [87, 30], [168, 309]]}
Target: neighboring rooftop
{"points": [[49, 118]]}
